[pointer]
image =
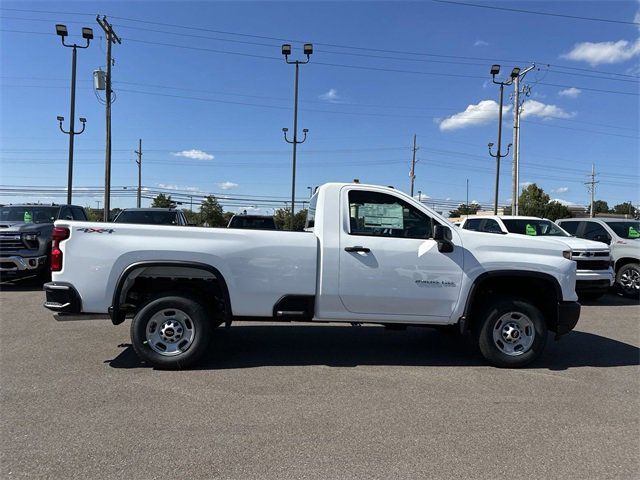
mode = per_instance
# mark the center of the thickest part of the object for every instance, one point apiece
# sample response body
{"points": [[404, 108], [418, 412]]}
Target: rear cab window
{"points": [[472, 224]]}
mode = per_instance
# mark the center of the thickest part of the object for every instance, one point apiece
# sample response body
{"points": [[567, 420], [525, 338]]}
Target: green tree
{"points": [[193, 218], [463, 209], [162, 201], [556, 210], [93, 215], [282, 217], [625, 208], [211, 212], [533, 201], [600, 206]]}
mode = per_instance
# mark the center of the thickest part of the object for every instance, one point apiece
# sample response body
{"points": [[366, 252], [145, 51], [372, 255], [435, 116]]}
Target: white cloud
{"points": [[171, 186], [331, 96], [566, 203], [481, 43], [560, 190], [228, 185], [484, 112], [597, 53], [571, 92], [533, 108], [194, 154]]}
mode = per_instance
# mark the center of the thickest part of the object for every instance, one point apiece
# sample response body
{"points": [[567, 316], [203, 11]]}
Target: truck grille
{"points": [[592, 264], [11, 241]]}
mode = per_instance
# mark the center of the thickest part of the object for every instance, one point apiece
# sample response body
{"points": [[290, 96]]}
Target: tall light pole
{"points": [[515, 171], [139, 162], [87, 34], [286, 51], [495, 70]]}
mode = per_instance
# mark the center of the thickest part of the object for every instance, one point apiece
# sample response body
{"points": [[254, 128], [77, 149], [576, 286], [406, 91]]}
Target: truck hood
{"points": [[513, 241], [574, 243]]}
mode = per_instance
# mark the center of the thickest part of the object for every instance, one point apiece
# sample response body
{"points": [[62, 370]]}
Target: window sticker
{"points": [[28, 217], [530, 230], [377, 215], [633, 233]]}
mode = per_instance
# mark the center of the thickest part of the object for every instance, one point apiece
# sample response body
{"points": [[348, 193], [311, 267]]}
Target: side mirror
{"points": [[68, 217], [442, 235]]}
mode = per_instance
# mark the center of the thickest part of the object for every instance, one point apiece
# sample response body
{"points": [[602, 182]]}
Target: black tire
{"points": [[492, 318], [197, 317], [626, 286]]}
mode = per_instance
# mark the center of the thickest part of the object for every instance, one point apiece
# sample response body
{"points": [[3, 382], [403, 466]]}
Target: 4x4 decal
{"points": [[95, 230]]}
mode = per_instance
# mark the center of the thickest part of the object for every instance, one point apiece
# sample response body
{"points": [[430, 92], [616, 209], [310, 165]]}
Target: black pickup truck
{"points": [[25, 238]]}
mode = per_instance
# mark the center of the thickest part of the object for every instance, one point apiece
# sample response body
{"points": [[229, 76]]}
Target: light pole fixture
{"points": [[307, 50], [495, 70], [87, 34]]}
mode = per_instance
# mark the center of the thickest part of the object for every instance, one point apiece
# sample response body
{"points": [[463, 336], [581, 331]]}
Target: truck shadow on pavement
{"points": [[338, 346]]}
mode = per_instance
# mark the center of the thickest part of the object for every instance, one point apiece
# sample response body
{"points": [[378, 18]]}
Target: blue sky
{"points": [[210, 100]]}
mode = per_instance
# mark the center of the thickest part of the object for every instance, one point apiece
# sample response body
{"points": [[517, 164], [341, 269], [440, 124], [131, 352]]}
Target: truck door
{"points": [[389, 265]]}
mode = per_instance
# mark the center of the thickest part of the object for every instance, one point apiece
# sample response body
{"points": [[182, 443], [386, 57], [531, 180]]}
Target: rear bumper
{"points": [[62, 297], [568, 315]]}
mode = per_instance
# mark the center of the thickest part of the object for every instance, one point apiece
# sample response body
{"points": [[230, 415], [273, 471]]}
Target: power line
{"points": [[532, 12]]}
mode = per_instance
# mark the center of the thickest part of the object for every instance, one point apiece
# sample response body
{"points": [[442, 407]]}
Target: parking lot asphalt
{"points": [[289, 401]]}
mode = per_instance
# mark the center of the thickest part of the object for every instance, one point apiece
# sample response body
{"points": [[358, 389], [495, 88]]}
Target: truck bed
{"points": [[259, 266]]}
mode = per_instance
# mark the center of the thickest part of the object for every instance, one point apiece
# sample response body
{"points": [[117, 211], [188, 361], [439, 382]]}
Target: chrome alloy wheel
{"points": [[513, 333], [630, 281], [170, 332]]}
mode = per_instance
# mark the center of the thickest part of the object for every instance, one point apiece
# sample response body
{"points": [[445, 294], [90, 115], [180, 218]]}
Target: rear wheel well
{"points": [[144, 283], [539, 291]]}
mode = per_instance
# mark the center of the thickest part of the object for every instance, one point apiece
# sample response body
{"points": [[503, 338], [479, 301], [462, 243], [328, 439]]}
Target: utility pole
{"points": [[111, 38], [495, 70], [467, 197], [515, 169], [307, 49], [87, 34], [139, 162], [591, 186], [412, 173]]}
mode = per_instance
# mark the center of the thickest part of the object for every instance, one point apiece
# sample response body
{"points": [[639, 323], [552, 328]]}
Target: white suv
{"points": [[623, 238], [593, 259]]}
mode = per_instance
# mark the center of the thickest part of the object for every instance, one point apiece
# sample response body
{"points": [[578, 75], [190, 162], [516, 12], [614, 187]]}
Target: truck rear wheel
{"points": [[511, 333], [171, 332]]}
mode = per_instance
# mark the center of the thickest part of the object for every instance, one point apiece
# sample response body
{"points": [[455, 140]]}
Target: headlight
{"points": [[31, 237], [567, 254]]}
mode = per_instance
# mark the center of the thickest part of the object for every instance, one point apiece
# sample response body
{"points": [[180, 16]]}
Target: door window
{"points": [[383, 215], [570, 227], [472, 224], [78, 214], [66, 214], [491, 226], [595, 231]]}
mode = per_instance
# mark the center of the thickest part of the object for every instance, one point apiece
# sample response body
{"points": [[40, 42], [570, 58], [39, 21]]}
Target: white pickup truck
{"points": [[369, 254]]}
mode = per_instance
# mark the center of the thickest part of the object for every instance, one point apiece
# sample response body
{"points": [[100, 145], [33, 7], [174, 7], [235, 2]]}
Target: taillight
{"points": [[59, 234]]}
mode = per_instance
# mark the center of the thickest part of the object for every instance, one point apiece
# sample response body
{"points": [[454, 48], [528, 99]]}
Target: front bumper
{"points": [[62, 297], [16, 265], [594, 281], [568, 315]]}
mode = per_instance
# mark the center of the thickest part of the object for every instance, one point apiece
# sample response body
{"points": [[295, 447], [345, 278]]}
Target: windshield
{"points": [[28, 214], [534, 227], [147, 217], [630, 229]]}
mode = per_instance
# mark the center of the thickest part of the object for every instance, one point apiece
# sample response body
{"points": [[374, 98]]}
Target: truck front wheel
{"points": [[511, 333], [171, 332]]}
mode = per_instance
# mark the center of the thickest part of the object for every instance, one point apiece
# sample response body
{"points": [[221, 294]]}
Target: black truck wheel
{"points": [[171, 332], [628, 280], [511, 333]]}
